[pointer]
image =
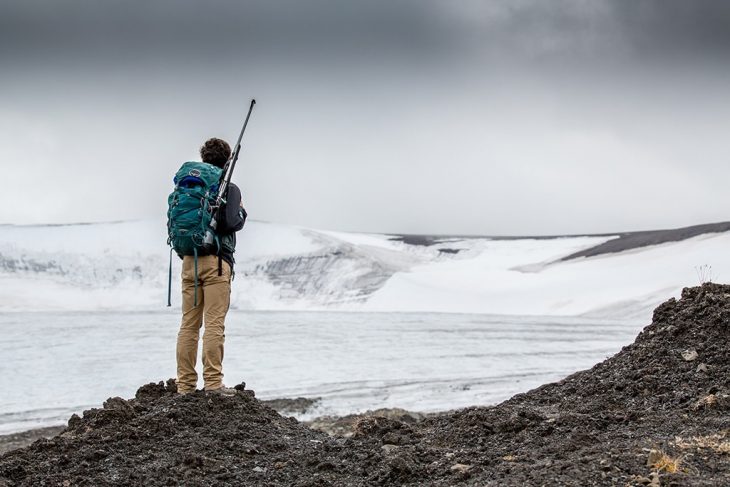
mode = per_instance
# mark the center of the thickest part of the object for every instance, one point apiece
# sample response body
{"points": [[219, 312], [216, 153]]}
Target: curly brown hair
{"points": [[215, 151]]}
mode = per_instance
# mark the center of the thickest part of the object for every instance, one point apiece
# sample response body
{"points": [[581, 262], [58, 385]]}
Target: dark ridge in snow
{"points": [[623, 240], [635, 240], [656, 413]]}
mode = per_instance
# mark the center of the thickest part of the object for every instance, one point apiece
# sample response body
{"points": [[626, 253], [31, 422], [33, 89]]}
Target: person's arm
{"points": [[234, 215]]}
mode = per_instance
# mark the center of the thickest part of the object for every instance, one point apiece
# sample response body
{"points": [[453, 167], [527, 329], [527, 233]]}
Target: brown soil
{"points": [[657, 413]]}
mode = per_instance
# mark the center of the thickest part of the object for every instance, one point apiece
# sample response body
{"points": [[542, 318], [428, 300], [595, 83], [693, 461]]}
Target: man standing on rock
{"points": [[206, 276]]}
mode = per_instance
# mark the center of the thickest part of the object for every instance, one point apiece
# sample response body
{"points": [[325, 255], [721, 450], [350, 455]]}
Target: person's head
{"points": [[215, 151]]}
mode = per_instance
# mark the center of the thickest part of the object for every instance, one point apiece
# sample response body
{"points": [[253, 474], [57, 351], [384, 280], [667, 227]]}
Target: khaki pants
{"points": [[214, 296]]}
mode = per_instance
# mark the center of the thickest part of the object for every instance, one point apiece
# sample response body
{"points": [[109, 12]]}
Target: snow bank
{"points": [[124, 266]]}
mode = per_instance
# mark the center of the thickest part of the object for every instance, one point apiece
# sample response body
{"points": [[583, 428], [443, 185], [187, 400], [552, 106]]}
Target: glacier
{"points": [[124, 266]]}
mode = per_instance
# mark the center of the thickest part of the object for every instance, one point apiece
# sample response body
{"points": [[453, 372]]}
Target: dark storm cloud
{"points": [[168, 30], [676, 28]]}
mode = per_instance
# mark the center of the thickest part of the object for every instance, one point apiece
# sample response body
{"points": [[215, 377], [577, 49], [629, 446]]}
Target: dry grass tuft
{"points": [[661, 462]]}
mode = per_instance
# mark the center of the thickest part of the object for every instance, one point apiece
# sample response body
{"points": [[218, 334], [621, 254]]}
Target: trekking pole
{"points": [[224, 180], [231, 164]]}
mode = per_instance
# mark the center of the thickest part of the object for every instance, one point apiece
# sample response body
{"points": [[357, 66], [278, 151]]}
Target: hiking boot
{"points": [[222, 391]]}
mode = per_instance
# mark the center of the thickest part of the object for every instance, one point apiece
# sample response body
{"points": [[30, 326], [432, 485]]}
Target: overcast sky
{"points": [[469, 117]]}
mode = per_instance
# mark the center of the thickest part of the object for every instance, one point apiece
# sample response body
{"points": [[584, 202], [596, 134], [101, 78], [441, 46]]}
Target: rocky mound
{"points": [[657, 413]]}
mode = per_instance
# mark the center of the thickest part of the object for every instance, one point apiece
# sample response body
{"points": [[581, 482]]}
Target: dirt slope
{"points": [[657, 413]]}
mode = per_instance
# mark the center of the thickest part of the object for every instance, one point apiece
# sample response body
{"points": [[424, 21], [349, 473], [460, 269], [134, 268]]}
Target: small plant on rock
{"points": [[704, 273]]}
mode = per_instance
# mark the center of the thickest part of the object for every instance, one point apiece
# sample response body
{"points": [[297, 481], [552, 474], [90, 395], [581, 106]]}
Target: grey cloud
{"points": [[164, 30], [675, 28]]}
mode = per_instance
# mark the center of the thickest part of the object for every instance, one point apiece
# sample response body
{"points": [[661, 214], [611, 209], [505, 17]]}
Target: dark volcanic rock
{"points": [[347, 426], [288, 406], [647, 416], [162, 438], [25, 438]]}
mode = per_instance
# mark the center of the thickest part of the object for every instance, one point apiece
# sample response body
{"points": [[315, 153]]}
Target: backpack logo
{"points": [[194, 173]]}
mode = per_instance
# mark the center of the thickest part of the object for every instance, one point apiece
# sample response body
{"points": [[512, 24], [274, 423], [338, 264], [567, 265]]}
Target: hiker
{"points": [[206, 275]]}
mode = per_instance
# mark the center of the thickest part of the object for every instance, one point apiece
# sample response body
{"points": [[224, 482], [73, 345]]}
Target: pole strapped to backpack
{"points": [[169, 282], [195, 286]]}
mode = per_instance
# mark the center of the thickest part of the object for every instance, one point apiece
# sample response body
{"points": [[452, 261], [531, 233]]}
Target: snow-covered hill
{"points": [[124, 266]]}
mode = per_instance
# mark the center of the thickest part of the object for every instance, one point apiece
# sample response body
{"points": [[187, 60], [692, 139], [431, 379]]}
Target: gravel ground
{"points": [[25, 438]]}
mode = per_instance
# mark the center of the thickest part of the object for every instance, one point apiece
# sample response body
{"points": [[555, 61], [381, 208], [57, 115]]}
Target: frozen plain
{"points": [[58, 363]]}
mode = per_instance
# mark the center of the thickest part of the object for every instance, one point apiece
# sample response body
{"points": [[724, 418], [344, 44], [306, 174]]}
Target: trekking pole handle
{"points": [[234, 156]]}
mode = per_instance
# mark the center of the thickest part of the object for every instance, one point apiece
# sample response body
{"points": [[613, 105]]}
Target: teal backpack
{"points": [[190, 210]]}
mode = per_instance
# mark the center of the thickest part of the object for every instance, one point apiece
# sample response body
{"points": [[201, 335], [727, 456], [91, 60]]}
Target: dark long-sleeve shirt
{"points": [[232, 218]]}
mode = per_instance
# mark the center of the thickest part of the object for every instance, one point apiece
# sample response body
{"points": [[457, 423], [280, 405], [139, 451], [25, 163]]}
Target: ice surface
{"points": [[56, 364]]}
